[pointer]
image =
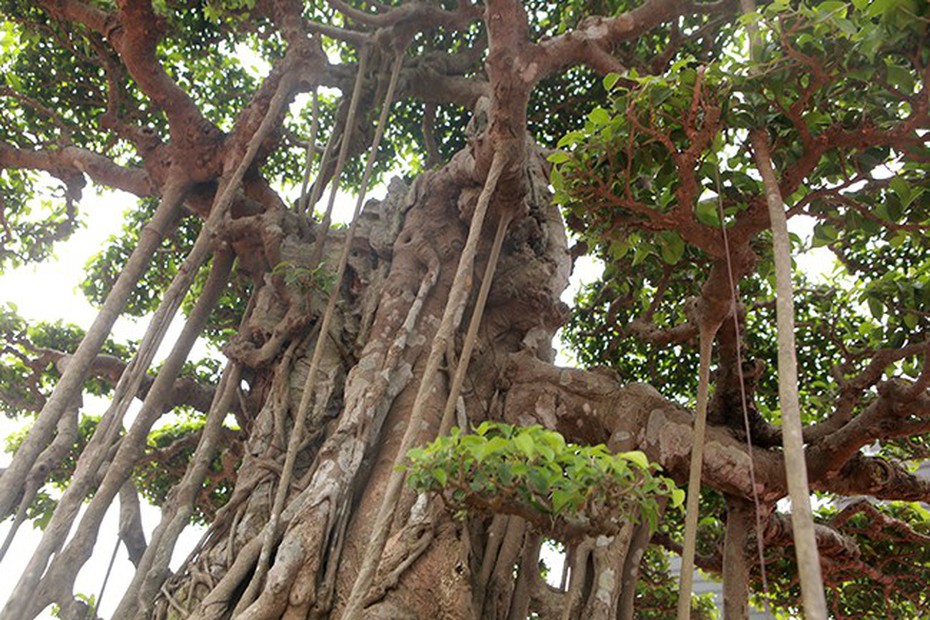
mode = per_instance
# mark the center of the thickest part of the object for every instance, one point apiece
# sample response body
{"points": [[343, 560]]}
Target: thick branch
{"points": [[134, 32], [592, 407], [186, 391], [71, 160], [882, 479], [588, 44]]}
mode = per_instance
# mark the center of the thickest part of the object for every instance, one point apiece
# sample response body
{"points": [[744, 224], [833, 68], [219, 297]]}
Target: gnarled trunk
{"points": [[402, 265]]}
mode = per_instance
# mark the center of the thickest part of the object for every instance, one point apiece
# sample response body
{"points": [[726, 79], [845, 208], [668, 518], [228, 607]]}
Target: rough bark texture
{"points": [[433, 566], [401, 272]]}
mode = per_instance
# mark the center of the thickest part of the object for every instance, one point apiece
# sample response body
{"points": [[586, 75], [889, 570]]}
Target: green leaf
{"points": [[672, 247], [440, 475], [559, 499], [599, 116], [525, 444], [831, 6], [706, 213], [643, 250], [610, 80], [637, 457], [483, 428], [824, 234], [900, 77], [902, 190]]}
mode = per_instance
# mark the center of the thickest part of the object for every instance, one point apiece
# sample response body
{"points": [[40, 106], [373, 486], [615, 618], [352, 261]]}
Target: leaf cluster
{"points": [[28, 369], [565, 489]]}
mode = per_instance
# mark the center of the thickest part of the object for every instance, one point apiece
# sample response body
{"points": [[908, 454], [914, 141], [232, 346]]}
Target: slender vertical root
{"points": [[317, 255], [449, 323], [316, 190], [802, 518], [24, 596], [35, 590], [95, 605], [747, 427], [471, 337], [69, 386], [686, 578], [303, 201], [639, 540], [66, 435], [153, 567]]}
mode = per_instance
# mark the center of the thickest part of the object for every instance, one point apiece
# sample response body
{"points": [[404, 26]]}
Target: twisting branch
{"points": [[587, 44], [134, 31]]}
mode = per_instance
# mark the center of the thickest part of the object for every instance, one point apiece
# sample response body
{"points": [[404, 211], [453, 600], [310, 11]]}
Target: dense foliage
{"points": [[566, 490]]}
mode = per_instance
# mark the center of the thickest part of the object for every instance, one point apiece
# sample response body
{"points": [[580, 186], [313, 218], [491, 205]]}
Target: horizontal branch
{"points": [[595, 36], [880, 478], [71, 160], [591, 407], [594, 407], [108, 368]]}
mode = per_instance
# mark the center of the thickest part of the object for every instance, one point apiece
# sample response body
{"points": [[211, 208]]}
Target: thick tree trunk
{"points": [[401, 270]]}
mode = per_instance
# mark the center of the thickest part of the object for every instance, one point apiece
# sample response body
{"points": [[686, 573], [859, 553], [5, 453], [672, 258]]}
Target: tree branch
{"points": [[70, 161], [587, 44], [186, 391]]}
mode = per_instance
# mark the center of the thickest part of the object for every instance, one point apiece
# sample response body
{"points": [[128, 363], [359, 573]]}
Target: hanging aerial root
{"points": [[471, 337], [24, 596], [107, 433], [69, 386], [153, 567], [304, 199], [296, 439], [317, 255], [735, 568], [458, 296], [747, 424], [35, 590], [66, 436], [686, 578], [802, 518]]}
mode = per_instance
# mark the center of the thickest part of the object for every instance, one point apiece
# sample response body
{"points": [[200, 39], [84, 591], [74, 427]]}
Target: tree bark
{"points": [[735, 566]]}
